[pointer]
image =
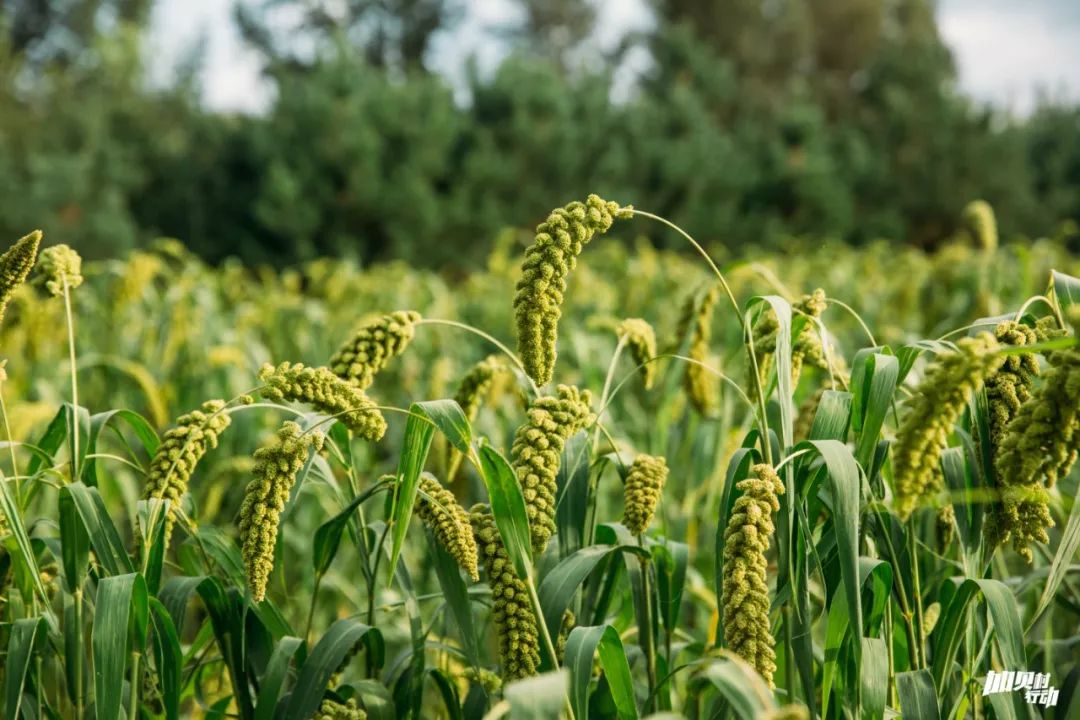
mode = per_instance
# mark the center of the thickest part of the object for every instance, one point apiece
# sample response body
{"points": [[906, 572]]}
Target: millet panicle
{"points": [[932, 412], [516, 626], [439, 510], [327, 393], [745, 587], [537, 454], [548, 262], [373, 346], [641, 492], [276, 466], [15, 265]]}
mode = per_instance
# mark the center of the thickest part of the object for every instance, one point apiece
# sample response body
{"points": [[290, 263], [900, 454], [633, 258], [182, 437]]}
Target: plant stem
{"points": [[311, 610], [80, 700], [476, 331], [646, 632], [916, 593], [538, 610], [133, 704], [11, 448], [74, 382]]}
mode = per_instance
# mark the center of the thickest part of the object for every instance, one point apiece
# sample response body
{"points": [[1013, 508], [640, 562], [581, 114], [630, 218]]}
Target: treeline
{"points": [[751, 121]]}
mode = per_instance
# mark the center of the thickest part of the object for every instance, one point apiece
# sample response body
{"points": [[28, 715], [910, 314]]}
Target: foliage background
{"points": [[752, 122]]}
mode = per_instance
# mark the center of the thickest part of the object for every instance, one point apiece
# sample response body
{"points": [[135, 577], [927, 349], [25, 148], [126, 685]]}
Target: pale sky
{"points": [[1007, 51]]}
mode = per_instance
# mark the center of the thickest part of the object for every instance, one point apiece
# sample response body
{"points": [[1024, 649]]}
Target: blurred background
{"points": [[279, 131]]}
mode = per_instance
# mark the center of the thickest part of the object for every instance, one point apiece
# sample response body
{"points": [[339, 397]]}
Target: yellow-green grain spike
{"points": [[516, 626], [695, 321], [548, 262], [373, 346], [537, 454], [932, 412], [641, 340], [1039, 447], [981, 223], [276, 466], [331, 710], [15, 266], [60, 265], [439, 510], [478, 383], [179, 453], [326, 392], [641, 493], [745, 586]]}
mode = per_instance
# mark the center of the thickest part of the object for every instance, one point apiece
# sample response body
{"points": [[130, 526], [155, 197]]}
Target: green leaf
{"points": [[112, 418], [74, 543], [918, 699], [832, 417], [328, 536], [414, 452], [121, 612], [51, 441], [541, 697], [581, 647], [457, 598], [1066, 289], [672, 559], [325, 658], [168, 657], [448, 416], [559, 586], [874, 676], [272, 681], [738, 683], [508, 508], [881, 374], [572, 501], [844, 483], [26, 633], [1006, 623], [1060, 565], [108, 548]]}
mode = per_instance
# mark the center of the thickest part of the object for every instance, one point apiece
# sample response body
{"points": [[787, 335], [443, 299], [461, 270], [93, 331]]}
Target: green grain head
{"points": [[15, 264], [276, 466], [1039, 447], [537, 453], [439, 510], [932, 412], [642, 490], [980, 222], [373, 346], [331, 710], [325, 392], [548, 262], [695, 322], [516, 626], [60, 267], [745, 586], [180, 451], [641, 339], [478, 383]]}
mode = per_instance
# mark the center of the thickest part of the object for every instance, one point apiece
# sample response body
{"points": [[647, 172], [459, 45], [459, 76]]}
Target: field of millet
{"points": [[593, 480]]}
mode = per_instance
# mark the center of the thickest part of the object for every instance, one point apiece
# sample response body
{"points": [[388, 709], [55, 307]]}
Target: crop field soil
{"points": [[593, 480]]}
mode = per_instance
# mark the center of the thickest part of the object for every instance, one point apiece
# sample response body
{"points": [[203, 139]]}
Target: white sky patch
{"points": [[1007, 52]]}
